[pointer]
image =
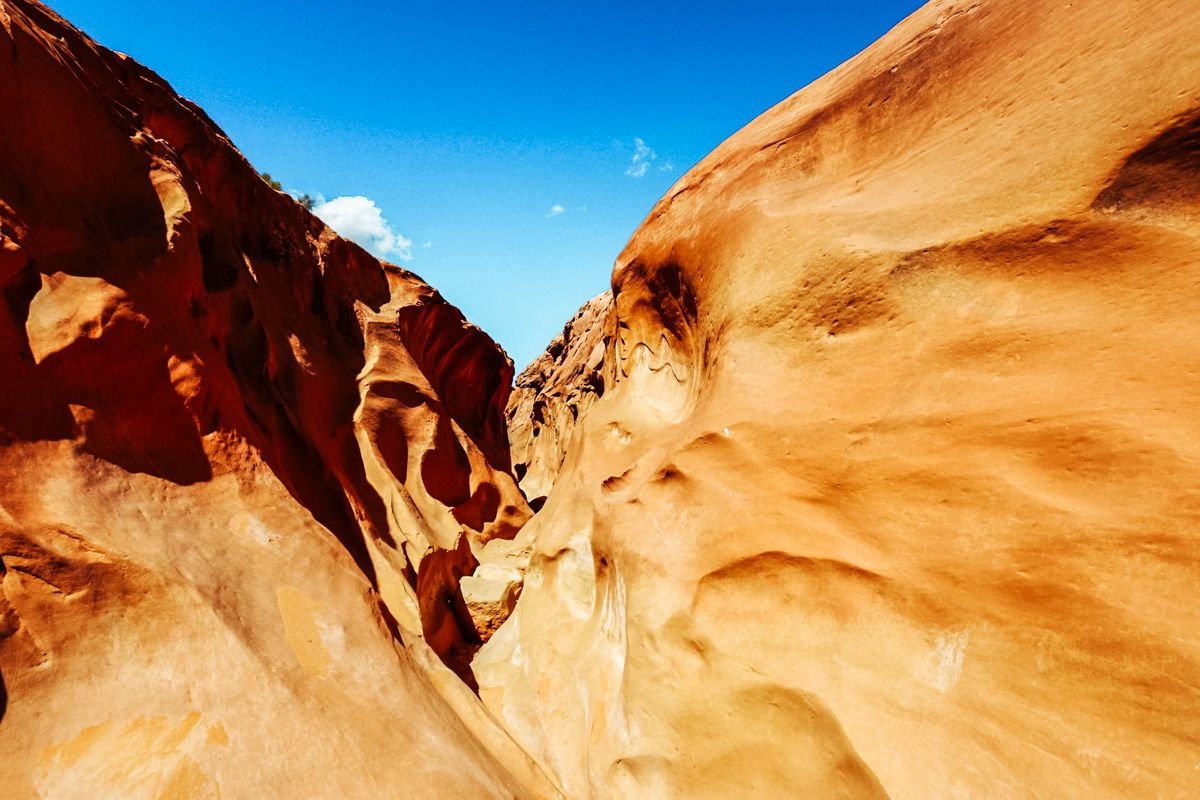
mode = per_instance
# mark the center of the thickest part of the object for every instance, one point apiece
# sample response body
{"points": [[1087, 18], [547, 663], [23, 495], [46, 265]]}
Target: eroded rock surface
{"points": [[242, 467], [553, 392], [876, 475], [893, 487]]}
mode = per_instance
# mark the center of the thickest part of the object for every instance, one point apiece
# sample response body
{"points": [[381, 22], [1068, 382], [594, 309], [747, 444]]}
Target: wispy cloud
{"points": [[358, 219], [667, 166], [555, 210], [643, 157], [427, 245]]}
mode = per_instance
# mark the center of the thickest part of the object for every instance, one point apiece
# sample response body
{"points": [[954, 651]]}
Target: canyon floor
{"points": [[875, 474]]}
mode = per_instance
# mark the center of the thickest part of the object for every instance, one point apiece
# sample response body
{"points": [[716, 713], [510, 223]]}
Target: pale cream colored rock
{"points": [[491, 593]]}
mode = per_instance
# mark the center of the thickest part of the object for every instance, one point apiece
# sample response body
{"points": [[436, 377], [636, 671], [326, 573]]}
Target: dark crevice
{"points": [[1166, 172]]}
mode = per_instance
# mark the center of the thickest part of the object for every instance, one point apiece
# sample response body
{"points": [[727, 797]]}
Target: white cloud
{"points": [[427, 245], [643, 155], [358, 219], [667, 166], [555, 210]]}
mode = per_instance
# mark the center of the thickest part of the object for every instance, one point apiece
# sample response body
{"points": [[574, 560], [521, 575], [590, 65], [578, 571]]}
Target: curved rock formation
{"points": [[893, 486], [243, 466], [875, 476]]}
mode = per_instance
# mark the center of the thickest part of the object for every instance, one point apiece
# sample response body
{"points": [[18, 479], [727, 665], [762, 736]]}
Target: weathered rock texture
{"points": [[892, 488], [895, 483], [243, 466], [552, 393]]}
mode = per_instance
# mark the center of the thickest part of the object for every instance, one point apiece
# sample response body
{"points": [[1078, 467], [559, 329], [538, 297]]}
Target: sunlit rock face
{"points": [[243, 466], [894, 486]]}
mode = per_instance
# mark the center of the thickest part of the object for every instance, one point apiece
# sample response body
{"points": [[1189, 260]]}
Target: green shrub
{"points": [[306, 200]]}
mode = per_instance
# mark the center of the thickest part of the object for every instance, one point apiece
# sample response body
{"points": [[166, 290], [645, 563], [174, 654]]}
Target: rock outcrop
{"points": [[243, 466], [893, 487], [553, 392]]}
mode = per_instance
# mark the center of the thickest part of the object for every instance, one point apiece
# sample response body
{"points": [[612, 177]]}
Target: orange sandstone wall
{"points": [[893, 488]]}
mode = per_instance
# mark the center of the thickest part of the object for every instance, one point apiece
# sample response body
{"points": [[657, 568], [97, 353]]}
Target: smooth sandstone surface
{"points": [[242, 468], [895, 481]]}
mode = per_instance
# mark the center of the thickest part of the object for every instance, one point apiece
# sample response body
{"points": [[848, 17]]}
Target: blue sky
{"points": [[513, 147]]}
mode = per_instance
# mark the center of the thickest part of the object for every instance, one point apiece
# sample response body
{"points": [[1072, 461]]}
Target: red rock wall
{"points": [[209, 395]]}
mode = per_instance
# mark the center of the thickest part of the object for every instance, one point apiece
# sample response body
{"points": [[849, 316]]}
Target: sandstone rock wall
{"points": [[243, 466], [553, 393], [893, 485]]}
